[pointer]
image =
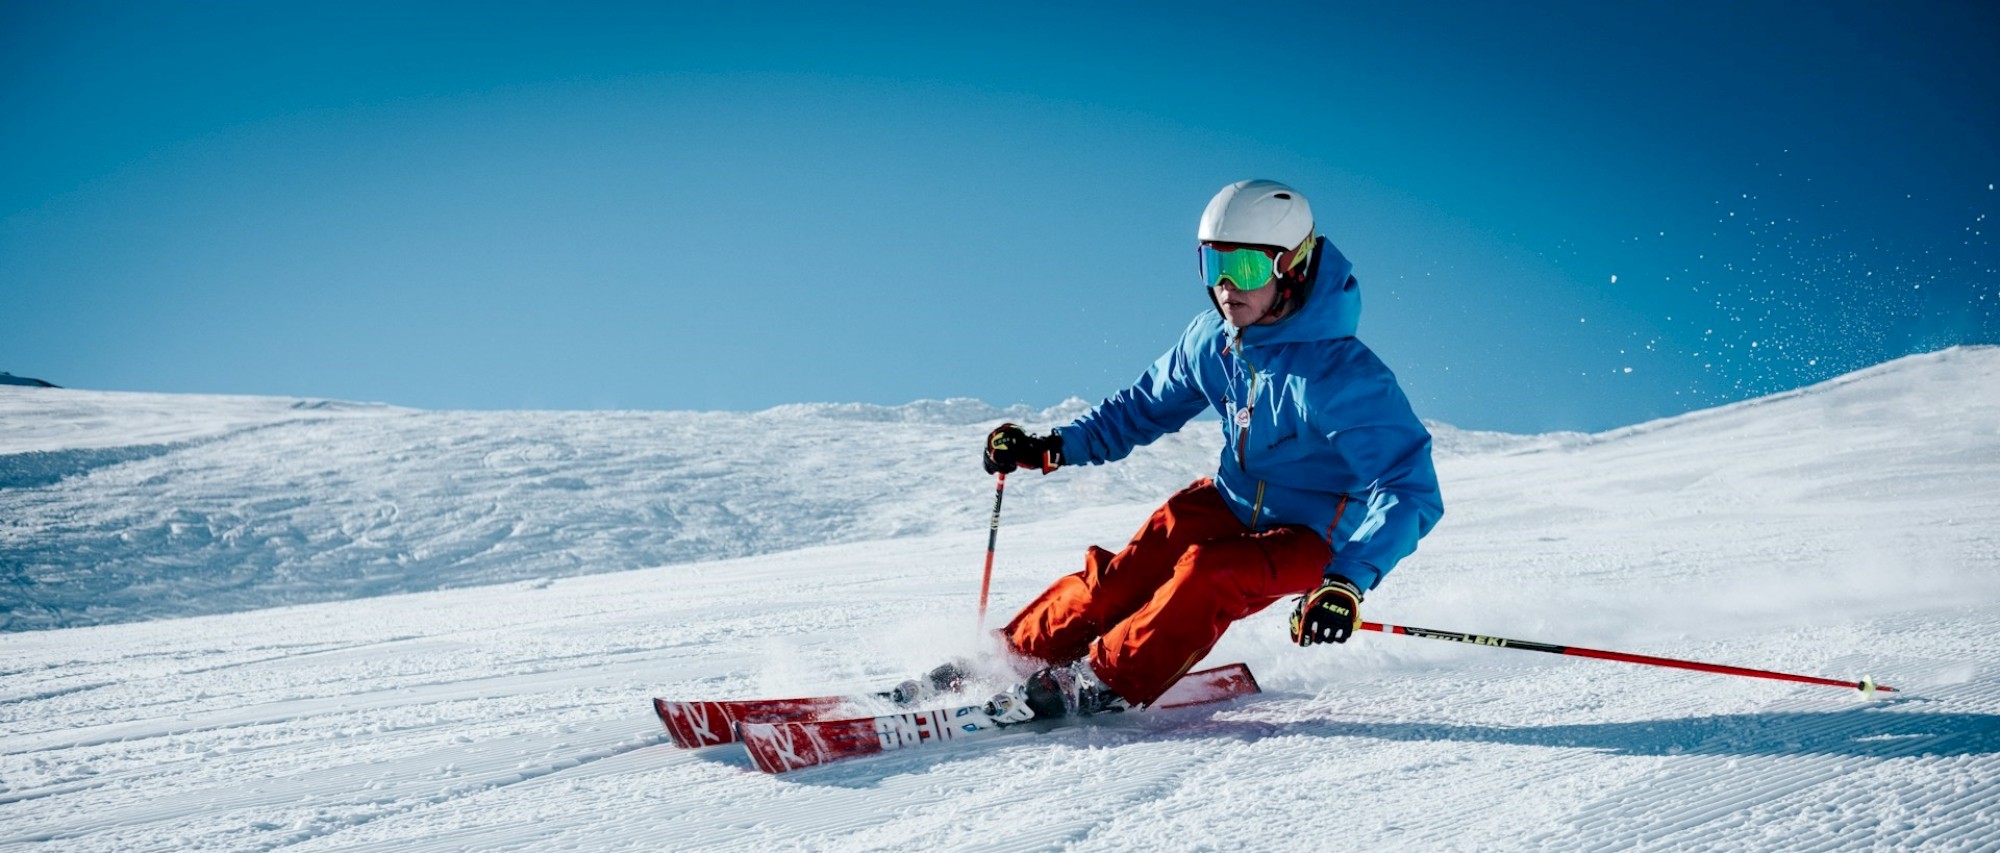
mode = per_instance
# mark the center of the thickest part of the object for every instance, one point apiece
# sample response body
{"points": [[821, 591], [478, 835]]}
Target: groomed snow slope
{"points": [[1849, 528]]}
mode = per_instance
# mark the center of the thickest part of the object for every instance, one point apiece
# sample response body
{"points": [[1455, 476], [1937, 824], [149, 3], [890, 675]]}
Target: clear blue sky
{"points": [[578, 205]]}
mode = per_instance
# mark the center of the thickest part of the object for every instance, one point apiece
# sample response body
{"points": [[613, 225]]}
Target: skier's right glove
{"points": [[1329, 614], [1009, 447]]}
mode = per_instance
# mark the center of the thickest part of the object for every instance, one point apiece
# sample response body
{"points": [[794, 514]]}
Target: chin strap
{"points": [[1280, 307]]}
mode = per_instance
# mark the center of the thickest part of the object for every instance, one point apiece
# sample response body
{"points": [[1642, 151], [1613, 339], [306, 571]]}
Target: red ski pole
{"points": [[1866, 685], [992, 536]]}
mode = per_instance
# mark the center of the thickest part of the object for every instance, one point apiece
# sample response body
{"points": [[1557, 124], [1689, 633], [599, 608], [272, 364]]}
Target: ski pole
{"points": [[992, 536], [1866, 685]]}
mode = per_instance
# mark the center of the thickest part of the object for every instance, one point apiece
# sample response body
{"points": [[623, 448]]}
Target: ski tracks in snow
{"points": [[514, 717]]}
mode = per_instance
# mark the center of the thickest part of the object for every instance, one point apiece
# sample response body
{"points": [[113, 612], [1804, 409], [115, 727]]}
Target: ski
{"points": [[693, 725], [781, 746]]}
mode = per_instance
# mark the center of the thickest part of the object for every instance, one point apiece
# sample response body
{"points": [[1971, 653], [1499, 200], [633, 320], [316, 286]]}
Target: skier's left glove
{"points": [[1009, 447], [1329, 614]]}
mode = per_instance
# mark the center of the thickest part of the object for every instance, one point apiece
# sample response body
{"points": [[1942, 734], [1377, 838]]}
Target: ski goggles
{"points": [[1250, 267]]}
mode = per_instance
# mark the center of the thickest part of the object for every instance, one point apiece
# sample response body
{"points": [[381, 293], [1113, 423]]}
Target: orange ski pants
{"points": [[1148, 613]]}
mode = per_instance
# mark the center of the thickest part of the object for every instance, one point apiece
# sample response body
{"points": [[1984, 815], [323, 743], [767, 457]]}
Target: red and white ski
{"points": [[784, 746], [697, 724], [693, 725]]}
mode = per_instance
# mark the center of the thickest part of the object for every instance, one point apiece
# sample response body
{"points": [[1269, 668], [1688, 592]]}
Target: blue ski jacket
{"points": [[1316, 431]]}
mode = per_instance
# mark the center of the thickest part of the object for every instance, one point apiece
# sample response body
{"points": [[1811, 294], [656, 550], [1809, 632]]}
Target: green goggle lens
{"points": [[1246, 268]]}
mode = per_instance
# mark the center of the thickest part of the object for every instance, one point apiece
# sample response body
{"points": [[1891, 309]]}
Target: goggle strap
{"points": [[1299, 254]]}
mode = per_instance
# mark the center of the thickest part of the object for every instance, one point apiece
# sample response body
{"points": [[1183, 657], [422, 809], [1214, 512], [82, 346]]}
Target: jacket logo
{"points": [[1379, 504]]}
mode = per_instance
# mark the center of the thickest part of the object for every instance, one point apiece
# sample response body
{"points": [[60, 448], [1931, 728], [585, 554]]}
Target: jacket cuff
{"points": [[1070, 447], [1363, 576]]}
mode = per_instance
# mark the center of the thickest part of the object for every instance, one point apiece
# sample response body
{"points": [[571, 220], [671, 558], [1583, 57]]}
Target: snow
{"points": [[498, 594]]}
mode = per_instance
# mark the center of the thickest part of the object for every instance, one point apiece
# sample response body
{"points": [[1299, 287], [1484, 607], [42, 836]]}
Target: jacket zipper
{"points": [[1243, 434]]}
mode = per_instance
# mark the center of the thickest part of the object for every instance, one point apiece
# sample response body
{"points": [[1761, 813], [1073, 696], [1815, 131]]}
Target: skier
{"points": [[1325, 478]]}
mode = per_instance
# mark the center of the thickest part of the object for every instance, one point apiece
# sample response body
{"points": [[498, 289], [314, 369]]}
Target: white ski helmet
{"points": [[1259, 213]]}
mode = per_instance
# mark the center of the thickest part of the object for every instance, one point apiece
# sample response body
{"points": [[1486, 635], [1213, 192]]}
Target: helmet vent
{"points": [[1254, 213]]}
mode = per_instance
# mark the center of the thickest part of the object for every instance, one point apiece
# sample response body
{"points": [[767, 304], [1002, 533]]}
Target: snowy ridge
{"points": [[1845, 530], [135, 506], [1917, 379], [58, 420], [957, 411], [1449, 441]]}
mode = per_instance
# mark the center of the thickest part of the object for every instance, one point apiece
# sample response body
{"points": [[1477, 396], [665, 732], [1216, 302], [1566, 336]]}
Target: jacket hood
{"points": [[1332, 306]]}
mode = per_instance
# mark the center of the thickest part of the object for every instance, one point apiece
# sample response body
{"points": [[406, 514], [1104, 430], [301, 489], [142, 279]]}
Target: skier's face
{"points": [[1246, 307]]}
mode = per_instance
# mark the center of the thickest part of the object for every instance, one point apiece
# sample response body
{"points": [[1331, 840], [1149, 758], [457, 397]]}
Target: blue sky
{"points": [[624, 206]]}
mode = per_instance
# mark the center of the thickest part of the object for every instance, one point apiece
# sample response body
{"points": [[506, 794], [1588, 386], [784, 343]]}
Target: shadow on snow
{"points": [[1879, 731], [1882, 731]]}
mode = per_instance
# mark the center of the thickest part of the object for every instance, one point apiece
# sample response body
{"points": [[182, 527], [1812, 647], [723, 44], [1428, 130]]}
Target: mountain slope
{"points": [[1847, 529]]}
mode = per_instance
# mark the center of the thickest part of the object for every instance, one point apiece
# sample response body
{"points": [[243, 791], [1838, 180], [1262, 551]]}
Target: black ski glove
{"points": [[1008, 447], [1329, 614]]}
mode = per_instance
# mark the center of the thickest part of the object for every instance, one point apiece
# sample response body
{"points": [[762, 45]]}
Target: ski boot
{"points": [[1054, 693], [1094, 697], [948, 678]]}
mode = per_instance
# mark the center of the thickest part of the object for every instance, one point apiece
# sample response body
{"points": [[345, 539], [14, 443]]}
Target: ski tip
{"points": [[753, 737], [694, 725], [1236, 679], [1252, 679], [664, 711]]}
